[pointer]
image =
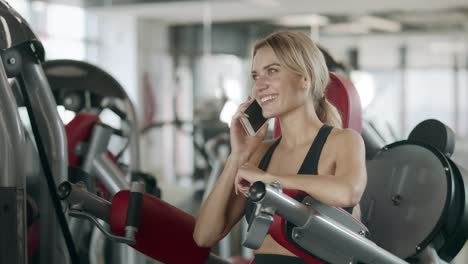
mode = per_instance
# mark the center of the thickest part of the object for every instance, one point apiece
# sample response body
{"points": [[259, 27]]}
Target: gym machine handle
{"points": [[316, 230], [79, 199], [134, 206], [86, 205]]}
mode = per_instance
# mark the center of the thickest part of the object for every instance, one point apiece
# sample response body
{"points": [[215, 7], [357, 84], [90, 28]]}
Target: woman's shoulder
{"points": [[346, 137]]}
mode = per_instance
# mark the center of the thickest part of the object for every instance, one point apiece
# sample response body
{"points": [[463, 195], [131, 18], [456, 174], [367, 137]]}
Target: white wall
{"points": [[118, 53], [132, 49]]}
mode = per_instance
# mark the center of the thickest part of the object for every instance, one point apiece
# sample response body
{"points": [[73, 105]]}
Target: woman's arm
{"points": [[222, 209], [343, 189]]}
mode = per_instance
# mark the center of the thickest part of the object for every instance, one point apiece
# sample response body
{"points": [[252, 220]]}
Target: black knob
{"points": [[257, 191], [64, 190]]}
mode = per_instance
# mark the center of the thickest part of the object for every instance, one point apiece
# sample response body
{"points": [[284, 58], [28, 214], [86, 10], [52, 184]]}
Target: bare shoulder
{"points": [[261, 150], [347, 138]]}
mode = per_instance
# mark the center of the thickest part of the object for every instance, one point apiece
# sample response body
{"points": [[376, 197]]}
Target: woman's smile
{"points": [[267, 99]]}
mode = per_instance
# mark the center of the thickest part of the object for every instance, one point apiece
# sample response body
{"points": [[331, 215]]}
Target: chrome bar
{"points": [[52, 134], [110, 175], [312, 225], [79, 198]]}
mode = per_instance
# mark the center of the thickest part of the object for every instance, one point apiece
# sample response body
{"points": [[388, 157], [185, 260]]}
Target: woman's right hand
{"points": [[243, 145]]}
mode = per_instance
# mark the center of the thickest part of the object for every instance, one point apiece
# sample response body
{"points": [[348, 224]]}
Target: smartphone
{"points": [[255, 121]]}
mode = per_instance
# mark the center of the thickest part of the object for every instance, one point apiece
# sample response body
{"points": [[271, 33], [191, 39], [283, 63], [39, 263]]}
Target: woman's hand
{"points": [[242, 145], [247, 175]]}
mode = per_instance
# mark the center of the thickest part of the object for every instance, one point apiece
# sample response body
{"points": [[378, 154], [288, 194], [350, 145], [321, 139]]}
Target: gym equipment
{"points": [[154, 238], [327, 233], [22, 55], [88, 90], [415, 188], [84, 88]]}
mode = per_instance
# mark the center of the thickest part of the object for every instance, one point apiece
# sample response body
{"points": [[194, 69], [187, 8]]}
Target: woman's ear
{"points": [[305, 82]]}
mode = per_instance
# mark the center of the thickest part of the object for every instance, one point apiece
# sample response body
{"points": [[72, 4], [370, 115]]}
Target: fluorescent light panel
{"points": [[303, 20], [379, 23]]}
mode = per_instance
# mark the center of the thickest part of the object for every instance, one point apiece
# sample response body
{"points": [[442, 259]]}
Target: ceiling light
{"points": [[302, 20], [350, 28], [270, 3], [379, 23]]}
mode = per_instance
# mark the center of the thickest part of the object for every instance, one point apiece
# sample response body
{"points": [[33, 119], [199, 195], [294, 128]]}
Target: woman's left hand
{"points": [[247, 175]]}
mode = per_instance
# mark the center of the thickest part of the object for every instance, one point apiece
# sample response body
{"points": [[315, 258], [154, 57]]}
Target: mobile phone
{"points": [[255, 121]]}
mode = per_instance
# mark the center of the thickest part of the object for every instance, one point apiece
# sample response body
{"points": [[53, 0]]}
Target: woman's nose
{"points": [[261, 83]]}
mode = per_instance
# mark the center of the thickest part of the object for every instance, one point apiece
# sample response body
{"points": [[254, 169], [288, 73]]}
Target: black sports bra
{"points": [[309, 165]]}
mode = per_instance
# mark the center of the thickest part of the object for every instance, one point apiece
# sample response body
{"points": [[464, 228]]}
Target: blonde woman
{"points": [[313, 154]]}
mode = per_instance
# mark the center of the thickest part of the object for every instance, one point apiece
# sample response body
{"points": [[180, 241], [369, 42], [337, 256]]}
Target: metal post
{"points": [[134, 136], [12, 178], [456, 93], [403, 87], [52, 134]]}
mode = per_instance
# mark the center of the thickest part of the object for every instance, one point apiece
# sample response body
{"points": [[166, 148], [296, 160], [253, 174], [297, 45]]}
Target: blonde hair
{"points": [[299, 53]]}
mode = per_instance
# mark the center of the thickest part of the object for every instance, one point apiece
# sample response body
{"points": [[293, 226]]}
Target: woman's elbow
{"points": [[352, 197], [203, 239]]}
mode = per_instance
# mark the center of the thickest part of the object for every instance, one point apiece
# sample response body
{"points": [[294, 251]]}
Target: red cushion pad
{"points": [[343, 95], [79, 130], [165, 232]]}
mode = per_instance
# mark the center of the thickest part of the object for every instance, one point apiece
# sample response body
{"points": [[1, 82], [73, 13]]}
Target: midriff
{"points": [[270, 246]]}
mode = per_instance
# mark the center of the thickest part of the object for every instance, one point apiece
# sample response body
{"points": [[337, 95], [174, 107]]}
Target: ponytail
{"points": [[327, 113]]}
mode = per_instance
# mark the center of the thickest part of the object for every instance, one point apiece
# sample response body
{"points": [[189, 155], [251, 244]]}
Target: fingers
{"points": [[243, 190], [245, 193], [240, 110], [241, 185], [245, 104], [239, 114]]}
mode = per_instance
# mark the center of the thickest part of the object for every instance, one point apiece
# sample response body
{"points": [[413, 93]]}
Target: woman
{"points": [[313, 155]]}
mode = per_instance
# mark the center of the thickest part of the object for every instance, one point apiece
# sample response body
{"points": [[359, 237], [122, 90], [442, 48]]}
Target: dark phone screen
{"points": [[256, 118]]}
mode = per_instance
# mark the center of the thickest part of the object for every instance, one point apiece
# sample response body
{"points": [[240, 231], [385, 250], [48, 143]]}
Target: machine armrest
{"points": [[319, 232]]}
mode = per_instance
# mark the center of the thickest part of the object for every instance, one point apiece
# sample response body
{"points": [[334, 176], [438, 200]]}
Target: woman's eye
{"points": [[254, 77], [272, 70]]}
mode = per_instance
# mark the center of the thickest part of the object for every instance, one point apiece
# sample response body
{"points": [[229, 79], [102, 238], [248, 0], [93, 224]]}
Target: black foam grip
{"points": [[133, 212]]}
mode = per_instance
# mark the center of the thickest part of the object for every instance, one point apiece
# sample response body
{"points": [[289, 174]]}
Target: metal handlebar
{"points": [[86, 205], [316, 232]]}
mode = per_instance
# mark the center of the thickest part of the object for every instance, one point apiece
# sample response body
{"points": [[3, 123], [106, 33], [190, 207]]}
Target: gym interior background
{"points": [[186, 66]]}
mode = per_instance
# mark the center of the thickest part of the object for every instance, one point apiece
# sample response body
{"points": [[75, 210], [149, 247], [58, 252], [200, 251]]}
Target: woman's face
{"points": [[277, 89]]}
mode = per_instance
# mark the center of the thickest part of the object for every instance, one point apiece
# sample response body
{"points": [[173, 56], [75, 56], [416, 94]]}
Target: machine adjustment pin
{"points": [[11, 61], [396, 200], [297, 235]]}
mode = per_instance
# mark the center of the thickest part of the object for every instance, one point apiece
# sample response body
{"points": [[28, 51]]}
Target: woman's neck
{"points": [[299, 126]]}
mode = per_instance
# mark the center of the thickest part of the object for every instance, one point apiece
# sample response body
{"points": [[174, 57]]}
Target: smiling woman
{"points": [[313, 155]]}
